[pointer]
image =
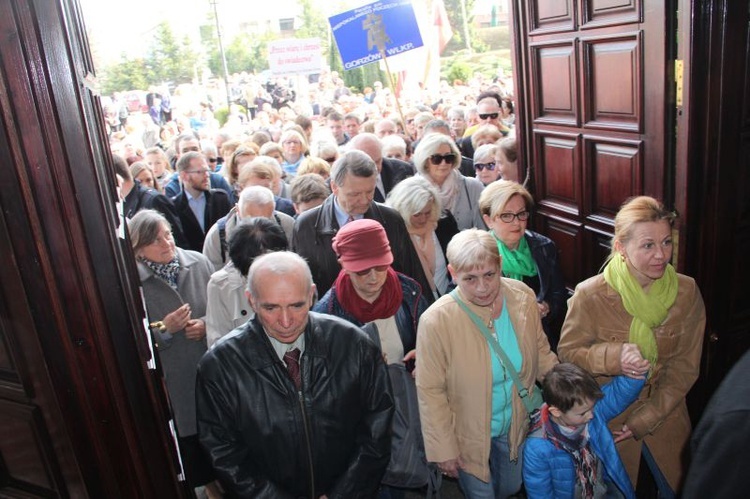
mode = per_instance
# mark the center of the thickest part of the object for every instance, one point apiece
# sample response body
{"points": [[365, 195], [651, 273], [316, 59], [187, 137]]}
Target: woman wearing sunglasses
{"points": [[526, 255], [484, 164], [437, 159]]}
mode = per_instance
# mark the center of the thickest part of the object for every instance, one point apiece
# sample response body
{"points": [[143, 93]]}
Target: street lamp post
{"points": [[221, 51]]}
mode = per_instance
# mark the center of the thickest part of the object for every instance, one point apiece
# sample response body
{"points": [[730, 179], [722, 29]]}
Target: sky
{"points": [[126, 27]]}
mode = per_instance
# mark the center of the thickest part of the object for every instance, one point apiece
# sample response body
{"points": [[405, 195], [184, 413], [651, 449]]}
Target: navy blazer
{"points": [[217, 205]]}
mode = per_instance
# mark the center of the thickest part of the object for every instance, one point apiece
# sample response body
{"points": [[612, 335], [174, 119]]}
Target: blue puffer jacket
{"points": [[407, 317], [549, 472]]}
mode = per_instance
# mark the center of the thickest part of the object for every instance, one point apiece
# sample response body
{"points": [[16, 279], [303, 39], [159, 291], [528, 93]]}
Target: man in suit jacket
{"points": [[353, 185], [390, 171], [198, 206]]}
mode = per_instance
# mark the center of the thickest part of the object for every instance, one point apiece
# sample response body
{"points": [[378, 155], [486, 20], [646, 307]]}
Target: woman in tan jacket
{"points": [[640, 299], [473, 420]]}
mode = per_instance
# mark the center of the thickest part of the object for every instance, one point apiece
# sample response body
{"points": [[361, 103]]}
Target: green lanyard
{"points": [[532, 402]]}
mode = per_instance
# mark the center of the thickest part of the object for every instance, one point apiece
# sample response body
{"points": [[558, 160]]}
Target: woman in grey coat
{"points": [[174, 287]]}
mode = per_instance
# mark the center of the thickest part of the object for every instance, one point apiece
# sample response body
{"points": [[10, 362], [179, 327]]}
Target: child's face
{"points": [[576, 416]]}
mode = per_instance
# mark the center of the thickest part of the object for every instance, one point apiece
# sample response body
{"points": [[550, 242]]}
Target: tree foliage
{"points": [[455, 15], [168, 59], [128, 74]]}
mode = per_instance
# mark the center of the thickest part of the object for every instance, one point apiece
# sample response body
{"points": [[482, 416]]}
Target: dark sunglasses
{"points": [[435, 159], [330, 160], [216, 160], [482, 166], [489, 116], [377, 268]]}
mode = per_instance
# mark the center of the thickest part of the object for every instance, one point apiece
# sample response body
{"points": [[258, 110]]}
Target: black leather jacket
{"points": [[266, 439], [313, 236]]}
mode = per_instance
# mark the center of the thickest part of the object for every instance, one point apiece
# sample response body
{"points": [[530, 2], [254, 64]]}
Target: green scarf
{"points": [[648, 309], [518, 263]]}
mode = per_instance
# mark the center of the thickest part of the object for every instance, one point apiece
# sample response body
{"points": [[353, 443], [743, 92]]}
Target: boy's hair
{"points": [[567, 384]]}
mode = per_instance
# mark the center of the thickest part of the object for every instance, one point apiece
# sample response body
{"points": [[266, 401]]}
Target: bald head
{"points": [[370, 144]]}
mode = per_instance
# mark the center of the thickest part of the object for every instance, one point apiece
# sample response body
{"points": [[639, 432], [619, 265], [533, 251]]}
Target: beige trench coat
{"points": [[454, 377], [595, 329]]}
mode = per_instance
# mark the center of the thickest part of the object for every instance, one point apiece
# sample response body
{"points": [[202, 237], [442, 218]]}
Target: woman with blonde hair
{"points": [[242, 155], [418, 203], [527, 256], [474, 412], [145, 175], [295, 148], [640, 299]]}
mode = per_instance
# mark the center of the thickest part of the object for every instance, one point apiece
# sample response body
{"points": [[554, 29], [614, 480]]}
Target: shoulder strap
{"points": [[223, 244], [522, 391]]}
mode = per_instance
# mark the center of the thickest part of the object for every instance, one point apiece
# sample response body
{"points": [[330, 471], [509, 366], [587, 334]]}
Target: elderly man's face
{"points": [[281, 303], [250, 210], [355, 194], [385, 127], [374, 149]]}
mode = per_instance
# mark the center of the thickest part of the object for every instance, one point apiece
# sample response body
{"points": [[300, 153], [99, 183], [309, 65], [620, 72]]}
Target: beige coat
{"points": [[454, 377], [595, 329]]}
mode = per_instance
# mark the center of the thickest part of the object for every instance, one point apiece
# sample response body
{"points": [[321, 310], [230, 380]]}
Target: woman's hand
{"points": [[195, 329], [543, 308], [450, 468], [632, 363], [177, 320], [623, 434]]}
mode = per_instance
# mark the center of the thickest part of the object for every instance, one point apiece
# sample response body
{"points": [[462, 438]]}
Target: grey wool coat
{"points": [[177, 354]]}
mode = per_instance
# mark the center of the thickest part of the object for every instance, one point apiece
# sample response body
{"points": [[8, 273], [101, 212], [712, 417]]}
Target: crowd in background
{"points": [[407, 218]]}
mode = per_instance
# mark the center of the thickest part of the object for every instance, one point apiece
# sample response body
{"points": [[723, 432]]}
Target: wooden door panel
{"points": [[558, 158], [612, 82], [600, 13], [555, 79], [28, 459], [595, 78], [614, 171], [547, 16], [568, 238]]}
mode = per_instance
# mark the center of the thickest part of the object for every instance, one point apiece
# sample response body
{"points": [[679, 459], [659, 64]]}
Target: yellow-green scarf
{"points": [[648, 309]]}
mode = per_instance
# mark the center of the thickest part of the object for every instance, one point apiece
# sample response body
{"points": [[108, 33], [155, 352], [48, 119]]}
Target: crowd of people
{"points": [[295, 259]]}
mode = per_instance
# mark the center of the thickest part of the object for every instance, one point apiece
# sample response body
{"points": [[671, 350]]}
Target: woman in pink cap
{"points": [[370, 294]]}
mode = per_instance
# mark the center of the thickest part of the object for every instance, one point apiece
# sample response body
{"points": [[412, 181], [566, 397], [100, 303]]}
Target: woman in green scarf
{"points": [[640, 301], [526, 256]]}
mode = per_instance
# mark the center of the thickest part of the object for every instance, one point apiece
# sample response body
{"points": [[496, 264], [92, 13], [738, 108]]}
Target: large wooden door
{"points": [[81, 413], [591, 83]]}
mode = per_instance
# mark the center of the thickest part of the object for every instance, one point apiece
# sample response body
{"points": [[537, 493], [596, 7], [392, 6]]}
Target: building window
{"points": [[286, 24]]}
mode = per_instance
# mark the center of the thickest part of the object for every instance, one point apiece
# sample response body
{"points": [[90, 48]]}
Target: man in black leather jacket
{"points": [[270, 431], [353, 179]]}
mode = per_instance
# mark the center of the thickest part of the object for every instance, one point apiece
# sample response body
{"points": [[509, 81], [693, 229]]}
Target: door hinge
{"points": [[679, 70]]}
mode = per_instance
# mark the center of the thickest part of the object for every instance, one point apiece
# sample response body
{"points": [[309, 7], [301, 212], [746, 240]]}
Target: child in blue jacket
{"points": [[570, 452]]}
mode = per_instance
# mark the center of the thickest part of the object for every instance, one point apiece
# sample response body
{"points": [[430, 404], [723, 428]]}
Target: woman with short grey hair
{"points": [[485, 166], [418, 203], [174, 288]]}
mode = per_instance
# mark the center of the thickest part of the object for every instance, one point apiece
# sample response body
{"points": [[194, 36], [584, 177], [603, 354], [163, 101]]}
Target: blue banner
{"points": [[361, 33]]}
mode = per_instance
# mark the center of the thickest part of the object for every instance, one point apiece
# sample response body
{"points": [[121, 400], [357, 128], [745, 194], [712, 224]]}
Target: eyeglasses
{"points": [[436, 159], [377, 268], [489, 116], [290, 142], [481, 166], [409, 121], [522, 216], [214, 160], [202, 171], [330, 160]]}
